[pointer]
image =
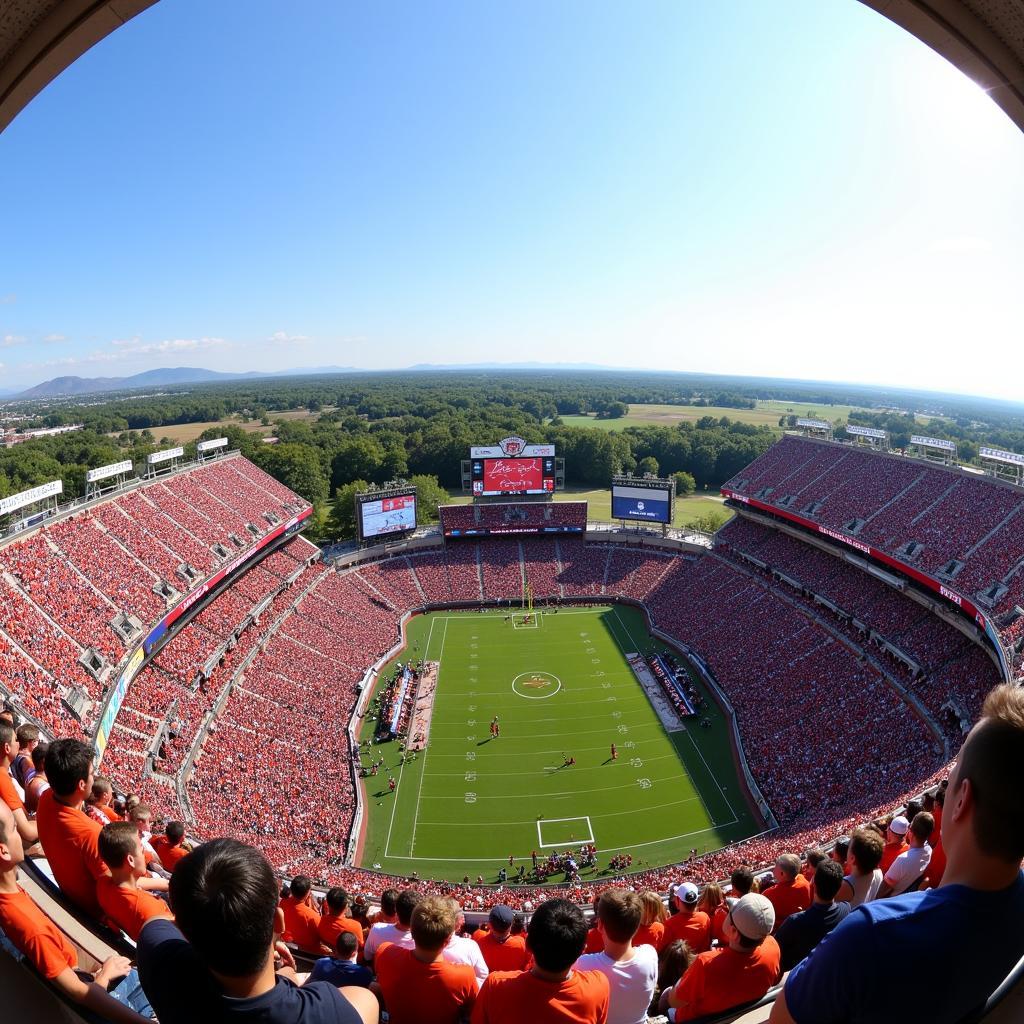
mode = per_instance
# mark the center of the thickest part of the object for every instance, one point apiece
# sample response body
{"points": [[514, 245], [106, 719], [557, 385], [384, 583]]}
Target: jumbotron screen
{"points": [[381, 516], [513, 476], [643, 504]]}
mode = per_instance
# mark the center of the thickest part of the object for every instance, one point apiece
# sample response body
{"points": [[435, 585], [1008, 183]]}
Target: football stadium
{"points": [[517, 720]]}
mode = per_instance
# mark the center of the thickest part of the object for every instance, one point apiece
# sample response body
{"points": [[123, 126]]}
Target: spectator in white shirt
{"points": [[397, 933], [910, 865], [632, 971], [460, 949]]}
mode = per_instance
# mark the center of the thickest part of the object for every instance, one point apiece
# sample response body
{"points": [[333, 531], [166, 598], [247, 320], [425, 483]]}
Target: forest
{"points": [[374, 428]]}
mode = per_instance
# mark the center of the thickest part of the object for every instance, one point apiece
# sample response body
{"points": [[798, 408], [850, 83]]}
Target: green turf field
{"points": [[563, 687]]}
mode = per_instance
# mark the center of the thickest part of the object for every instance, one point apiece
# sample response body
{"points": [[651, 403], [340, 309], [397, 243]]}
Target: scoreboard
{"points": [[513, 476], [382, 513], [645, 500], [512, 468]]}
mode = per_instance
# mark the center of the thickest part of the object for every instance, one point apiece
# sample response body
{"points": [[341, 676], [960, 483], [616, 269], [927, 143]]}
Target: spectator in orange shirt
{"points": [[48, 949], [124, 903], [739, 972], [652, 924], [170, 848], [691, 925], [301, 919], [101, 799], [712, 902], [895, 841], [551, 992], [418, 985], [8, 794], [335, 919], [502, 951], [791, 891], [69, 836]]}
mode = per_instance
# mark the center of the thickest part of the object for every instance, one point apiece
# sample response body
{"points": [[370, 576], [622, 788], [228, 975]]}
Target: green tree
{"points": [[709, 522], [685, 484], [429, 494], [648, 464], [341, 522], [297, 466]]}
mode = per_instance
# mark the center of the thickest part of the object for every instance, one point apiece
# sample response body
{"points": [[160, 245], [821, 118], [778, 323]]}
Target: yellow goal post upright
{"points": [[527, 599]]}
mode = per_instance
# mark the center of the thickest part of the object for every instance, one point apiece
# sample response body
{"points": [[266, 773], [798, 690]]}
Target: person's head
{"points": [[921, 828], [620, 912], [866, 850], [174, 832], [501, 919], [711, 898], [841, 849], [7, 715], [337, 899], [69, 769], [102, 791], [8, 742], [224, 897], [12, 851], [673, 962], [434, 919], [749, 922], [654, 909], [121, 847], [742, 880], [810, 863], [346, 946], [787, 867], [913, 808], [828, 877], [28, 737], [300, 887], [39, 757], [983, 807], [388, 901], [686, 895], [405, 905], [141, 815], [896, 832], [557, 934]]}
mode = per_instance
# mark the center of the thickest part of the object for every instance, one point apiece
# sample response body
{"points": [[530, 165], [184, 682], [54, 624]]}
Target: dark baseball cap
{"points": [[501, 916]]}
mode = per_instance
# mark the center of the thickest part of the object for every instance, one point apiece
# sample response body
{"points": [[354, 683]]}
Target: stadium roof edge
{"points": [[39, 39]]}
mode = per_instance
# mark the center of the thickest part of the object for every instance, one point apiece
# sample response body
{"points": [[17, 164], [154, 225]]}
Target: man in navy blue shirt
{"points": [[801, 932], [220, 964], [972, 922], [342, 969]]}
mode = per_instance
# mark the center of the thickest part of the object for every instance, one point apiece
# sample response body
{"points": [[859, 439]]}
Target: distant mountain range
{"points": [[60, 387]]}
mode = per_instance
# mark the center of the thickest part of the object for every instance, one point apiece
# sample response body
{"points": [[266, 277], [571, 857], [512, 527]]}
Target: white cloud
{"points": [[284, 338], [10, 340], [55, 338], [135, 346], [9, 299]]}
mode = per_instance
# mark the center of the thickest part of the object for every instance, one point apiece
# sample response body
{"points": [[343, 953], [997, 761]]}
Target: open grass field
{"points": [[182, 433], [766, 414], [599, 504], [468, 802]]}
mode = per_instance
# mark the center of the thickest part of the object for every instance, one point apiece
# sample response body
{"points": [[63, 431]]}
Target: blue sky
{"points": [[793, 189]]}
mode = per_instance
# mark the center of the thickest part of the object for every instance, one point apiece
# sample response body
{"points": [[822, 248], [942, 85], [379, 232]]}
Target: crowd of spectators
{"points": [[895, 501]]}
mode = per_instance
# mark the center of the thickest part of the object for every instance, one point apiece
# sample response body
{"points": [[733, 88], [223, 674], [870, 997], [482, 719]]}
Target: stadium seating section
{"points": [[970, 525], [835, 728]]}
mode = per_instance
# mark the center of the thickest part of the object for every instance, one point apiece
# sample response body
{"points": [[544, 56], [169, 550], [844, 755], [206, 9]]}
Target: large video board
{"points": [[381, 515], [642, 503], [516, 476]]}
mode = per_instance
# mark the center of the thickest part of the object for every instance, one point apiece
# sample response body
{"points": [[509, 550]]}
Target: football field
{"points": [[561, 688]]}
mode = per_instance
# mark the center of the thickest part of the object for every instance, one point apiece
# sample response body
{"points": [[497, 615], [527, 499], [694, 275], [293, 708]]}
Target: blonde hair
{"points": [[433, 921], [654, 909], [711, 898]]}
